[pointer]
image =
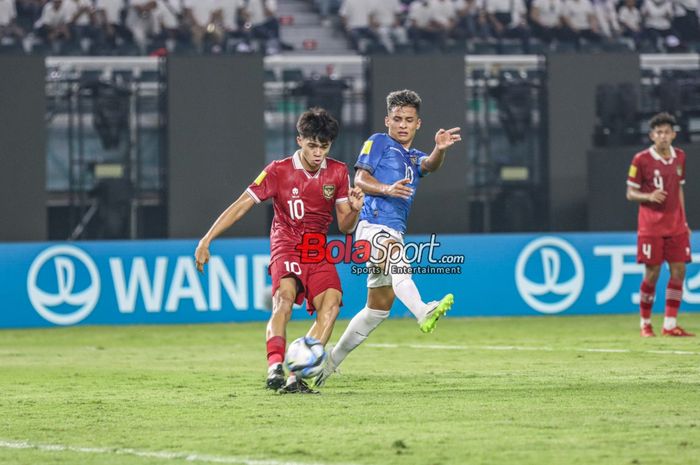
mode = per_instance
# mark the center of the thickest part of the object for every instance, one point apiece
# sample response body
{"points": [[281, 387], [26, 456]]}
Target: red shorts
{"points": [[654, 250], [312, 278]]}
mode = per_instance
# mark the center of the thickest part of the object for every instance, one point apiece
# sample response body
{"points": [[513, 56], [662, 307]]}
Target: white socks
{"points": [[669, 323], [407, 292], [357, 331]]}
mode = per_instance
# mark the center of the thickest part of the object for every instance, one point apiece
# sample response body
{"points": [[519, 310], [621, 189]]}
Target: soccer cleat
{"points": [[647, 331], [676, 332], [427, 324], [328, 369], [298, 386], [275, 376]]}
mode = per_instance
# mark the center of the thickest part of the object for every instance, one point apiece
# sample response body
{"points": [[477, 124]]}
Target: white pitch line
{"points": [[523, 348], [163, 455], [606, 351], [673, 352]]}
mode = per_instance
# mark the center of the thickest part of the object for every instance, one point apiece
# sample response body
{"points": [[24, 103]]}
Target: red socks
{"points": [[674, 294], [275, 350], [646, 299]]}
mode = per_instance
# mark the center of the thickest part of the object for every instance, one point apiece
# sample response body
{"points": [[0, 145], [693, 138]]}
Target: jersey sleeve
{"points": [[634, 175], [265, 185], [343, 185], [371, 153], [421, 157]]}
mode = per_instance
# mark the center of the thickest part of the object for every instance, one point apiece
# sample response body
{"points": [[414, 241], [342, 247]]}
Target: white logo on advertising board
{"points": [[64, 258], [549, 250]]}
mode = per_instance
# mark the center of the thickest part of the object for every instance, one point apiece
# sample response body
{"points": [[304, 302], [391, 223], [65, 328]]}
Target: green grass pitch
{"points": [[543, 390]]}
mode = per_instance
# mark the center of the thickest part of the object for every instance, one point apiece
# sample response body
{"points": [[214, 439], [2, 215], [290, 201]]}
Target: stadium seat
{"points": [[270, 76], [292, 75]]}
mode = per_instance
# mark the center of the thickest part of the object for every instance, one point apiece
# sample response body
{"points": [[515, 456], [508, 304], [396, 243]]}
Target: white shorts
{"points": [[365, 232]]}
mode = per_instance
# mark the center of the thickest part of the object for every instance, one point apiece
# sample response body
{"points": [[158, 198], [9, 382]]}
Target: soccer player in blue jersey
{"points": [[388, 172]]}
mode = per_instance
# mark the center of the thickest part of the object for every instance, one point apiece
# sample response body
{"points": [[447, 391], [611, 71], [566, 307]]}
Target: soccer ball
{"points": [[305, 357]]}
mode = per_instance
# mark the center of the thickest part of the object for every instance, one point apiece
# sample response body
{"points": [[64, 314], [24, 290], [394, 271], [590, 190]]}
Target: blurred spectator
{"points": [[580, 22], [110, 31], [265, 25], [205, 23], [422, 29], [149, 20], [686, 20], [9, 30], [546, 19], [606, 17], [53, 26], [472, 20], [355, 16], [385, 19], [28, 12], [657, 16], [81, 22], [444, 16], [234, 15], [508, 20], [630, 21]]}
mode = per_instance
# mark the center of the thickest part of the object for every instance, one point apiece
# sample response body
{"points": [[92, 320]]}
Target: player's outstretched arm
{"points": [[228, 218], [635, 195], [369, 185], [349, 212], [444, 139]]}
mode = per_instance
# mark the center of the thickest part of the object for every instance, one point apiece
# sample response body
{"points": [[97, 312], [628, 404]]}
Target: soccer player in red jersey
{"points": [[655, 181], [305, 189]]}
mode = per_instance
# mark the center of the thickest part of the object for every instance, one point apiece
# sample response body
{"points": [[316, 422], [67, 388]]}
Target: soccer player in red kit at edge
{"points": [[305, 189], [655, 181]]}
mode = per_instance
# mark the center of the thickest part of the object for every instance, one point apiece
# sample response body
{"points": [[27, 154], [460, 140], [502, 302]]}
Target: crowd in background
{"points": [[230, 26], [113, 26], [645, 25]]}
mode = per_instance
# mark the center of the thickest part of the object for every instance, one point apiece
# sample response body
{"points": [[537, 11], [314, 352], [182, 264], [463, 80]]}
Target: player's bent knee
{"points": [[283, 302]]}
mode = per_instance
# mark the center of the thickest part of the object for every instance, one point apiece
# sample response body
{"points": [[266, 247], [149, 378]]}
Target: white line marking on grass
{"points": [[544, 349], [535, 349], [384, 346], [163, 455], [674, 352], [606, 351]]}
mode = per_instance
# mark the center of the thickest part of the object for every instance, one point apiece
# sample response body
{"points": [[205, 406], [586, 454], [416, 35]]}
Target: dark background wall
{"points": [[22, 149], [608, 209], [216, 141], [572, 80], [439, 80]]}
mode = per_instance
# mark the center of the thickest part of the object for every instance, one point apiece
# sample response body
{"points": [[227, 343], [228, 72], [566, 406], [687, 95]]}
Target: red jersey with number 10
{"points": [[303, 202], [650, 171]]}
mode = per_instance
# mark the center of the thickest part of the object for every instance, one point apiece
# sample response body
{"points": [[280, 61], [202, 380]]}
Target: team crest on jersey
{"points": [[414, 159], [328, 191], [679, 170], [295, 192]]}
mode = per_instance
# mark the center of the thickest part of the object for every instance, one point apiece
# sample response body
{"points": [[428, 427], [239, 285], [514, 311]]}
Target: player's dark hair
{"points": [[317, 123], [403, 98], [661, 119]]}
